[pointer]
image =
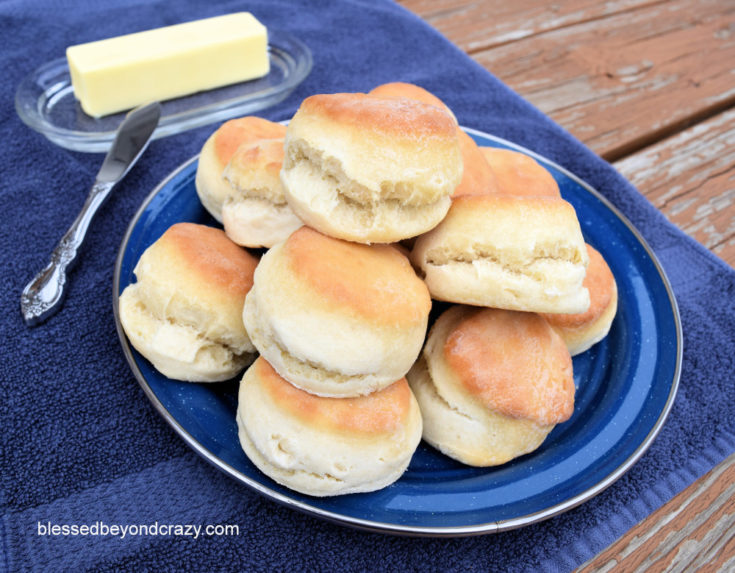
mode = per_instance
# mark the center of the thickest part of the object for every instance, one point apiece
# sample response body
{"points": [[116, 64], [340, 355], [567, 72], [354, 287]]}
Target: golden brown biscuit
{"points": [[409, 91], [326, 446], [337, 318], [518, 253], [217, 151], [370, 169], [580, 331], [184, 313], [255, 212], [491, 384], [519, 174], [477, 175]]}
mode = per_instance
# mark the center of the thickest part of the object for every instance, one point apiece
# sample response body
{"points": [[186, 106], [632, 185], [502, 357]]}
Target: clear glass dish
{"points": [[45, 100]]}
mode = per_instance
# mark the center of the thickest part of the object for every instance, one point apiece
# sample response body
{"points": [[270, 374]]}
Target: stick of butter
{"points": [[120, 73]]}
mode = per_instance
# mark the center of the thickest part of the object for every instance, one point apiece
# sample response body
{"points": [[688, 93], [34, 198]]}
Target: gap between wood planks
{"points": [[637, 144]]}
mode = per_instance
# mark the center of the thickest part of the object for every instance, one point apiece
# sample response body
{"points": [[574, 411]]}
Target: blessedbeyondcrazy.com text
{"points": [[100, 528]]}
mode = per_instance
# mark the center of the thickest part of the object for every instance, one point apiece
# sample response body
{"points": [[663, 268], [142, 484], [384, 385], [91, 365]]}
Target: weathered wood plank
{"points": [[621, 82], [626, 78], [694, 531], [690, 177], [475, 25]]}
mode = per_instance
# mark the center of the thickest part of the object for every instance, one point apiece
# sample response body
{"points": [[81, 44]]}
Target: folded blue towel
{"points": [[82, 445]]}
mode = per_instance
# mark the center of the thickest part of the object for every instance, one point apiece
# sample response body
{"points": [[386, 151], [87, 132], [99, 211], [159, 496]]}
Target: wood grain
{"points": [[624, 81], [694, 531], [618, 75], [476, 25], [690, 177]]}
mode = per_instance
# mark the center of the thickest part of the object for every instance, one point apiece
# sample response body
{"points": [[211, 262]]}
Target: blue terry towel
{"points": [[82, 445]]}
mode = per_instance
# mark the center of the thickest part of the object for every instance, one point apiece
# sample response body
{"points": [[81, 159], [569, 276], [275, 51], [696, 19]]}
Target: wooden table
{"points": [[649, 85]]}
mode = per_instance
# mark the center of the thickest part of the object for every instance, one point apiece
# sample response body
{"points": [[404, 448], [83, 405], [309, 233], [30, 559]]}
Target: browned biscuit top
{"points": [[233, 133], [600, 283], [210, 254], [261, 154], [514, 363], [375, 281], [475, 207], [519, 174], [478, 177], [399, 118], [409, 91], [551, 206], [380, 412]]}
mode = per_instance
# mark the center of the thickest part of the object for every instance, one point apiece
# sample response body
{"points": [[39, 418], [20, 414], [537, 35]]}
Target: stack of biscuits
{"points": [[364, 210]]}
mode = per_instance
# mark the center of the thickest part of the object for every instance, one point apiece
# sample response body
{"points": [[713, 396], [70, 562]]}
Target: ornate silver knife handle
{"points": [[42, 296]]}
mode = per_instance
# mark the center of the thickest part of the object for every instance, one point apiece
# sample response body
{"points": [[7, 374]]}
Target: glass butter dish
{"points": [[45, 100]]}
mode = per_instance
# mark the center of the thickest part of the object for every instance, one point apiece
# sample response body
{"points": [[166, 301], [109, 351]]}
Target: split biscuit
{"points": [[184, 313], [517, 253], [583, 330], [211, 186], [370, 169], [337, 318], [255, 212]]}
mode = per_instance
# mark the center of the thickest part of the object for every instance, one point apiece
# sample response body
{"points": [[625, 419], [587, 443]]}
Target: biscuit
{"points": [[477, 175], [211, 186], [369, 169], [581, 331], [326, 446], [491, 384], [337, 318], [255, 212], [184, 313], [409, 91], [519, 174], [517, 253]]}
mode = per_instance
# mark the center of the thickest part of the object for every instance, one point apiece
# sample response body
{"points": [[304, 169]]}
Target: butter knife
{"points": [[43, 296]]}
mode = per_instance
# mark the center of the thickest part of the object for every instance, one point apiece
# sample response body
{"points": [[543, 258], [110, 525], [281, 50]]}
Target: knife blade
{"points": [[44, 295]]}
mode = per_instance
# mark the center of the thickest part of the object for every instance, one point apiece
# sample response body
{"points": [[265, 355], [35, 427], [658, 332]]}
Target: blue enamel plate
{"points": [[626, 386]]}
